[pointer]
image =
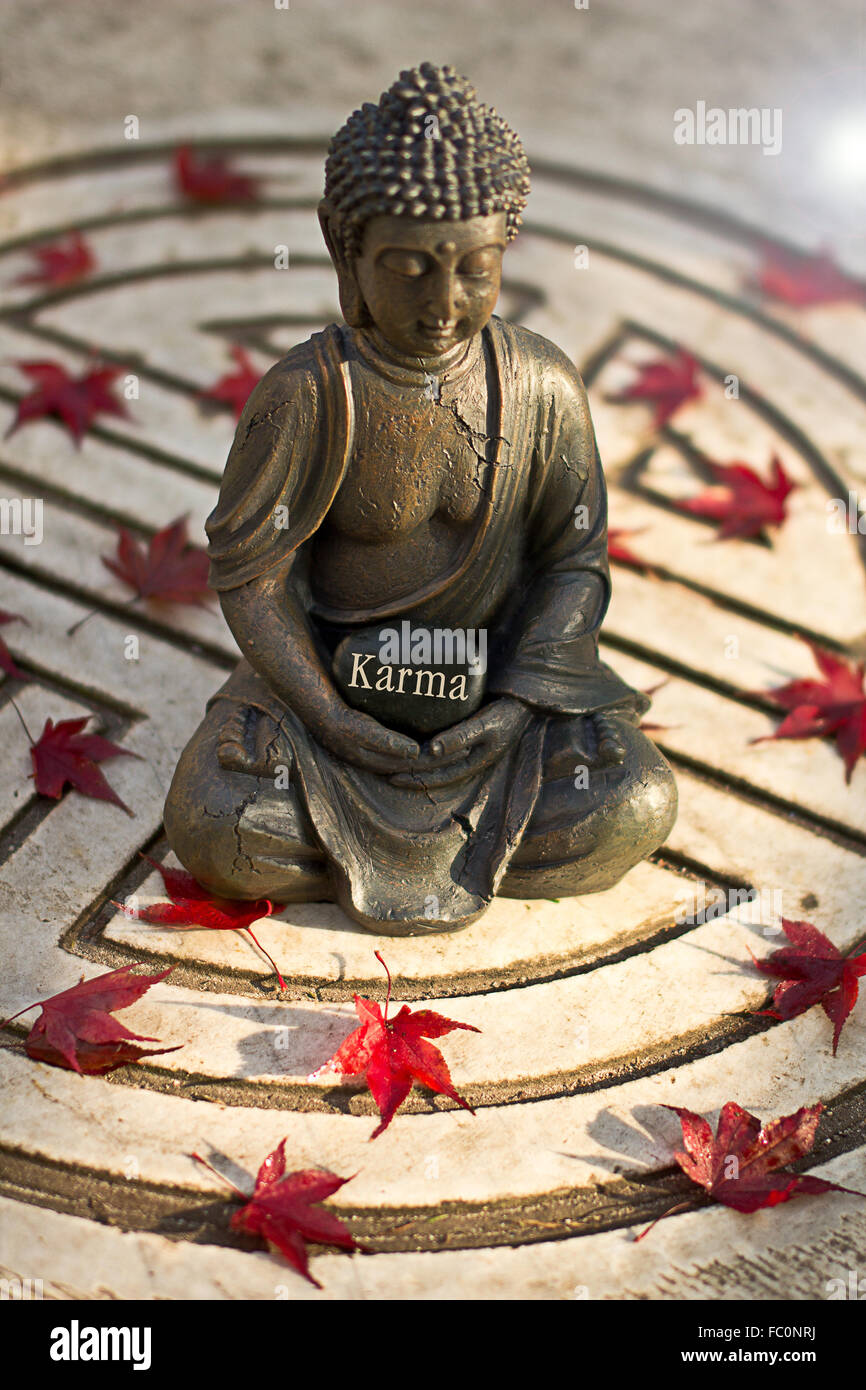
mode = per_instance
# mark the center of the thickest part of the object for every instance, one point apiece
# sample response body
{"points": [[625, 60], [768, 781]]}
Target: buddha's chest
{"points": [[413, 458]]}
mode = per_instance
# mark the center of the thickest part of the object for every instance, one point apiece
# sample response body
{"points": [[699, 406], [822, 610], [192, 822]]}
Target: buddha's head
{"points": [[422, 194]]}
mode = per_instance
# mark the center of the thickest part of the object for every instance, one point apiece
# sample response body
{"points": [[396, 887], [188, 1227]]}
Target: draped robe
{"points": [[533, 569]]}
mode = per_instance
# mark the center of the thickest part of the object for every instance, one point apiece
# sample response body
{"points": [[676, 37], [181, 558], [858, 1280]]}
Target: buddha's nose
{"points": [[445, 301]]}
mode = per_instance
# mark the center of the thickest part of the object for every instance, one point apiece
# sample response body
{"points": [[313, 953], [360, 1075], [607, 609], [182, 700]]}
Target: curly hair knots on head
{"points": [[428, 149]]}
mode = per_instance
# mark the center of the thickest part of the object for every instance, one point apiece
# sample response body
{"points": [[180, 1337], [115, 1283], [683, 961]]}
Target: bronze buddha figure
{"points": [[410, 549]]}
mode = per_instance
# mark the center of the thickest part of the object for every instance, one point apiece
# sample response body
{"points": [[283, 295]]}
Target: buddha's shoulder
{"points": [[554, 370], [299, 375]]}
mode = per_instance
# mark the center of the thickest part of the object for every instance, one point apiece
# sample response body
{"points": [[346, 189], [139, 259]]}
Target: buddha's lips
{"points": [[441, 332]]}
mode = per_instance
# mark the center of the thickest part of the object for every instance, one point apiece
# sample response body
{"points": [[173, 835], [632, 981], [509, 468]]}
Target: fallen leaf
{"points": [[75, 1029], [812, 971], [393, 1052], [740, 1166], [193, 906], [63, 754], [667, 383], [283, 1211], [621, 554], [211, 180], [60, 262], [835, 706], [7, 662], [235, 387], [645, 726], [74, 401], [741, 501], [804, 280], [169, 569]]}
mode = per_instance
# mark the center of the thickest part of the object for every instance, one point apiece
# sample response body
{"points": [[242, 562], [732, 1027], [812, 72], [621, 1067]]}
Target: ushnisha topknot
{"points": [[428, 149]]}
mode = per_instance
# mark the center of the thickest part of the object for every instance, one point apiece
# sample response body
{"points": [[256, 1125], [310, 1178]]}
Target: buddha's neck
{"points": [[384, 357]]}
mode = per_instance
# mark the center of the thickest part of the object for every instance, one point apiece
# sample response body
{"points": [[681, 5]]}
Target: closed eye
{"points": [[480, 263], [408, 263]]}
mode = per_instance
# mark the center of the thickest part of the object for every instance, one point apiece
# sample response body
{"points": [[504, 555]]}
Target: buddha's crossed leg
{"points": [[608, 799], [233, 818]]}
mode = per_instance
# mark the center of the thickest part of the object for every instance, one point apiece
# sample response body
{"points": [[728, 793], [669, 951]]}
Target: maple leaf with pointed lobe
{"points": [[742, 1166], [741, 501], [283, 1209], [619, 553], [391, 1053], [646, 726], [211, 180], [169, 569], [818, 709], [60, 262], [806, 280], [7, 662], [666, 383], [812, 971], [73, 400], [234, 388], [192, 905], [76, 1031], [64, 754]]}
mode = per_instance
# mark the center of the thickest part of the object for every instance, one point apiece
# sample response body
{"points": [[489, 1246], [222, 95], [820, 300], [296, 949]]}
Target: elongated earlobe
{"points": [[354, 309]]}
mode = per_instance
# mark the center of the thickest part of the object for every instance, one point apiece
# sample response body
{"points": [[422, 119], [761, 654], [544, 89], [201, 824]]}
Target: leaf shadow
{"points": [[616, 1134], [286, 1034]]}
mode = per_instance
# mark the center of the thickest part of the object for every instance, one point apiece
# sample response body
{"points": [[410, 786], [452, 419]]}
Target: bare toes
{"points": [[234, 755]]}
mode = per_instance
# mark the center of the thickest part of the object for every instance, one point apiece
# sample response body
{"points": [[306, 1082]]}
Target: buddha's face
{"points": [[430, 285]]}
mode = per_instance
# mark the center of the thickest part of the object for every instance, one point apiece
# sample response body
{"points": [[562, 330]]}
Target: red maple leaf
{"points": [[193, 906], [741, 501], [812, 971], [835, 705], [666, 383], [393, 1053], [281, 1209], [7, 663], [211, 180], [234, 388], [75, 1029], [60, 262], [169, 569], [740, 1166], [647, 727], [64, 754], [804, 280], [75, 401], [620, 554]]}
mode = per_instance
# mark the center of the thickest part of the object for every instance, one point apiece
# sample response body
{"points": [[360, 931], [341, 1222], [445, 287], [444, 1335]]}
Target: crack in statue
{"points": [[421, 463]]}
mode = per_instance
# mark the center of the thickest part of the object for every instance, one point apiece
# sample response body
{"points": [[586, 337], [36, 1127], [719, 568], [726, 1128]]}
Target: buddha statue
{"points": [[410, 547]]}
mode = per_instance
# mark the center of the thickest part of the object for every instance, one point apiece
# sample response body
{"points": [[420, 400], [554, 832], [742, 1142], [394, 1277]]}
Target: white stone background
{"points": [[597, 86], [597, 89]]}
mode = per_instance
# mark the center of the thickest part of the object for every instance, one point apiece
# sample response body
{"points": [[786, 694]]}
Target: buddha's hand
{"points": [[473, 744], [358, 739]]}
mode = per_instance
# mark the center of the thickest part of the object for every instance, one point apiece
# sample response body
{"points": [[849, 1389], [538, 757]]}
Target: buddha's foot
{"points": [[251, 741]]}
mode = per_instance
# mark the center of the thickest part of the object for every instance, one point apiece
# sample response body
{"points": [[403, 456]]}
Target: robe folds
{"points": [[533, 571]]}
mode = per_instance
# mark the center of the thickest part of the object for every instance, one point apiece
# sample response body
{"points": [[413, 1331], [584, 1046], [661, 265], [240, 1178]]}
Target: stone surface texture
{"points": [[594, 1012]]}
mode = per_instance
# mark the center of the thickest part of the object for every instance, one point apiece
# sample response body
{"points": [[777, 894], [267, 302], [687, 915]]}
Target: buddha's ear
{"points": [[351, 300]]}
